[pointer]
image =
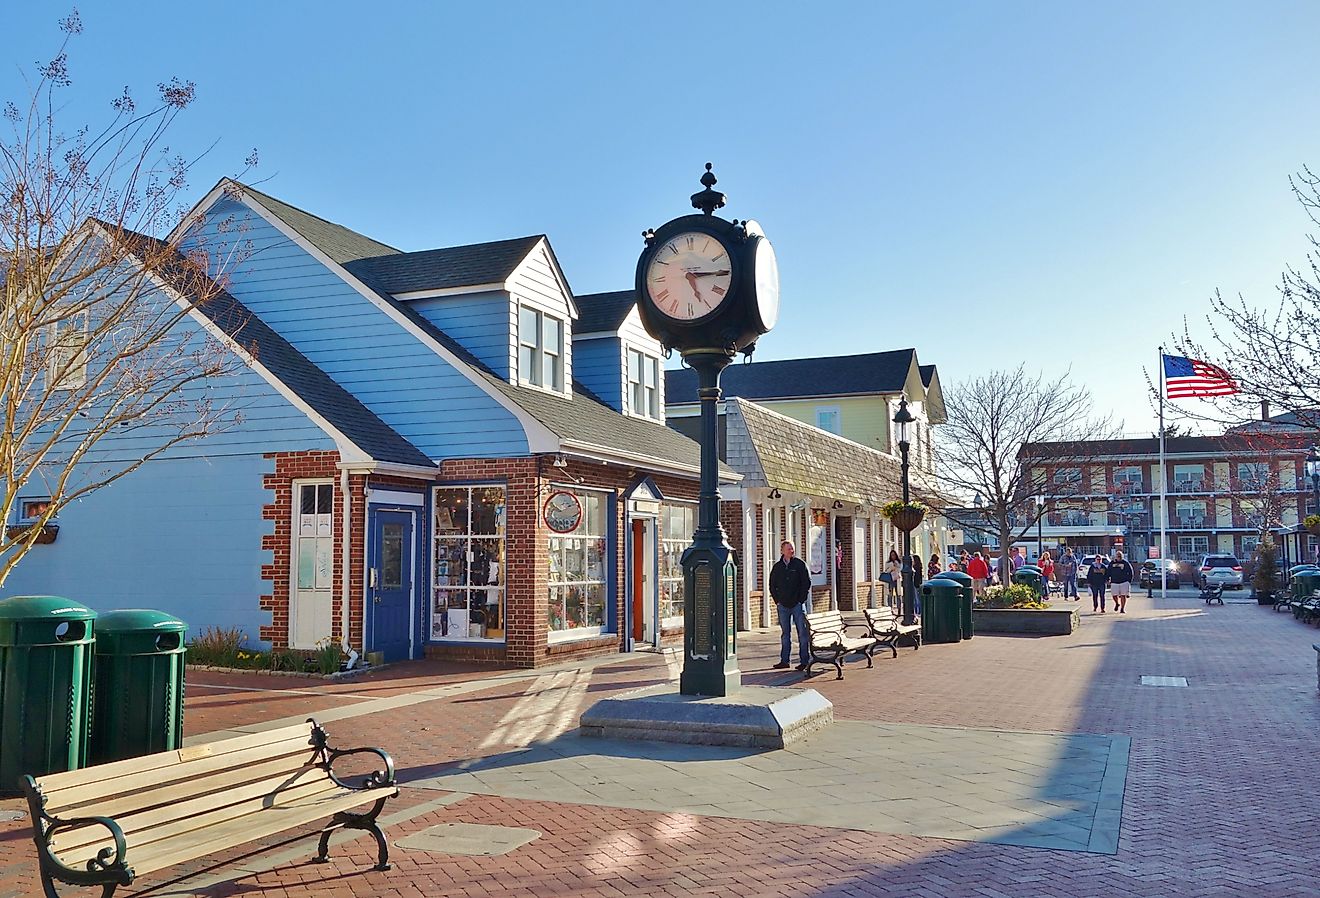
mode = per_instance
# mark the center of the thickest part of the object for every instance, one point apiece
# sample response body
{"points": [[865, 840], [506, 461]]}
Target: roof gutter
{"points": [[604, 454], [386, 467]]}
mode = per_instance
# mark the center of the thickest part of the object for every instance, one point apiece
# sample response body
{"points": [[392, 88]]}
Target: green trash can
{"points": [[940, 618], [965, 596], [1296, 584], [45, 686], [1031, 577], [1304, 584], [139, 685]]}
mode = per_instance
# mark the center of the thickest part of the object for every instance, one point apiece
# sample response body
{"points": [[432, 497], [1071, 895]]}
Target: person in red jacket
{"points": [[979, 571]]}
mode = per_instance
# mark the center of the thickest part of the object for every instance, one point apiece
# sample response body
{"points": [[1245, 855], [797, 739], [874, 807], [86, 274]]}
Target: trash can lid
{"points": [[956, 576], [940, 585], [138, 620], [43, 608]]}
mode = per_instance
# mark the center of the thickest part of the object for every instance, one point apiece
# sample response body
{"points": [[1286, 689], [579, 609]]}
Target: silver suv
{"points": [[1221, 570]]}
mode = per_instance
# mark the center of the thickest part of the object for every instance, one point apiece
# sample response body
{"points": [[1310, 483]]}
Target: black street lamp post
{"points": [[1313, 470], [903, 420], [1040, 532]]}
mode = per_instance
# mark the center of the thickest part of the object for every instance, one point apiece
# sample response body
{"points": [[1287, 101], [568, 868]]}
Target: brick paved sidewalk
{"points": [[1213, 805]]}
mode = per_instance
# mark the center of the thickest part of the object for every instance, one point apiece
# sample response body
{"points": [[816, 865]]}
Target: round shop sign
{"points": [[563, 512]]}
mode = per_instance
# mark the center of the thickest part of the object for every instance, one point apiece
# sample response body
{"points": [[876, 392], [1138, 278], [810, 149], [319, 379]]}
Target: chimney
{"points": [[1264, 409]]}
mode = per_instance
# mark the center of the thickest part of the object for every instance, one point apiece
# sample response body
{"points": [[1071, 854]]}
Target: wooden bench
{"points": [[888, 629], [829, 642], [107, 825]]}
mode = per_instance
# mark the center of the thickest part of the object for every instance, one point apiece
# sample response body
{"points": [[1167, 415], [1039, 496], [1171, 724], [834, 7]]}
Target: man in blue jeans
{"points": [[790, 587]]}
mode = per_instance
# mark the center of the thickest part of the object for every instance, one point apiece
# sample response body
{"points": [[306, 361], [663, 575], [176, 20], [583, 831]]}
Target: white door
{"points": [[311, 587], [859, 554]]}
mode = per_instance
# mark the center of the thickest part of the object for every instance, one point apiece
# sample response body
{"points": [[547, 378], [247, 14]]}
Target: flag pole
{"points": [[1164, 510]]}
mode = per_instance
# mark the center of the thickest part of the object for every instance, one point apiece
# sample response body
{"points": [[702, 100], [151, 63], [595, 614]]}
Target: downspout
{"points": [[344, 558]]}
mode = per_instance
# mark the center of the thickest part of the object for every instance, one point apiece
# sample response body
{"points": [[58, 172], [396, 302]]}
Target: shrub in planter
{"points": [[1015, 595], [217, 646], [1265, 579]]}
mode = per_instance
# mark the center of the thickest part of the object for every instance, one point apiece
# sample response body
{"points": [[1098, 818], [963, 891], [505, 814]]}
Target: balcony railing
{"points": [[1189, 486], [1191, 521]]}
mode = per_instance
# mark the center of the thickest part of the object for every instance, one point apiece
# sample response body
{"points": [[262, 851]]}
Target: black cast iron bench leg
{"points": [[365, 822]]}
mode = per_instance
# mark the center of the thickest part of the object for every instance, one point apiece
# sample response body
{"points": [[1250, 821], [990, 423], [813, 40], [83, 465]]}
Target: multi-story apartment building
{"points": [[1221, 491]]}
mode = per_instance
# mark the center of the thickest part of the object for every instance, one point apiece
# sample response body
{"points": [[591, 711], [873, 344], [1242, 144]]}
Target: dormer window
{"points": [[643, 384], [540, 349]]}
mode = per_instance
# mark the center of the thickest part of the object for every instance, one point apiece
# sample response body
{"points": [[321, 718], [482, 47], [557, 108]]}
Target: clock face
{"points": [[767, 283], [689, 276]]}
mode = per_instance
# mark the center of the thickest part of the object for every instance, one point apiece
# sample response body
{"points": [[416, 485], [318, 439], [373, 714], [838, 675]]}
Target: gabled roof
{"points": [[453, 266], [927, 372], [603, 312], [313, 386], [868, 374], [773, 450], [585, 421], [335, 240]]}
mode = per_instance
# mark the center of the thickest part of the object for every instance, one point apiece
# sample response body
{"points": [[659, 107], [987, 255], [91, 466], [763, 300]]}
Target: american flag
{"points": [[1192, 378]]}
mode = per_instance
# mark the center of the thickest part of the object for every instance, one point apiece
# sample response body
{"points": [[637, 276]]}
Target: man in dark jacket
{"points": [[1120, 580], [790, 587]]}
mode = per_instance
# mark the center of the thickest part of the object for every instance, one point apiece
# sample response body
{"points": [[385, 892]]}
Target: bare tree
{"points": [[990, 420], [96, 377], [1270, 352]]}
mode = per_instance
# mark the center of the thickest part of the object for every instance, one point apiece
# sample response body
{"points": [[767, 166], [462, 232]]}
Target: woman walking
{"points": [[1096, 578], [933, 568], [1047, 570], [894, 573]]}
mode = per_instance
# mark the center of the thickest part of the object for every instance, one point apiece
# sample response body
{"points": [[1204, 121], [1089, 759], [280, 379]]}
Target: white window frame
{"points": [[838, 419], [68, 340], [1125, 475], [643, 397], [536, 376], [1064, 476], [569, 634], [295, 534]]}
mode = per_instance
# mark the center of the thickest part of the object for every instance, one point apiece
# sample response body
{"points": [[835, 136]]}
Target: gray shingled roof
{"points": [[927, 372], [340, 408], [336, 241], [585, 418], [875, 372], [772, 450], [453, 266], [600, 312]]}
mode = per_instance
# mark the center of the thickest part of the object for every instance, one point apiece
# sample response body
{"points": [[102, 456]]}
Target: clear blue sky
{"points": [[991, 182]]}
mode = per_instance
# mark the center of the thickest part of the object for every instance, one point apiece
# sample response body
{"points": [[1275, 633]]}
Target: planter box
{"points": [[1060, 622]]}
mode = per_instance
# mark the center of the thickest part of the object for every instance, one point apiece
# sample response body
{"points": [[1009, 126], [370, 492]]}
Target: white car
{"points": [[1221, 570]]}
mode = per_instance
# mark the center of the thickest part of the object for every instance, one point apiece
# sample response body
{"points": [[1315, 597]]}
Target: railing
{"points": [[1189, 486], [1191, 522]]}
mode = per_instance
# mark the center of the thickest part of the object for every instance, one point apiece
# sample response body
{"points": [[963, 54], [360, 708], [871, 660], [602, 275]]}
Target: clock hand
{"points": [[707, 274], [692, 282]]}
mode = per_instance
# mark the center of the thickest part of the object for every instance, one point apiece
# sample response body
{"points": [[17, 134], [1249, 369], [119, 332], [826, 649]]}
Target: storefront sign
{"points": [[563, 512]]}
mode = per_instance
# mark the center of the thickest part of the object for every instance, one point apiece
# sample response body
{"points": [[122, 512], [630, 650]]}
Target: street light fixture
{"points": [[902, 422]]}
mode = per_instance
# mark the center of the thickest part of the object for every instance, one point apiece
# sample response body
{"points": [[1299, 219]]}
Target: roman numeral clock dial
{"points": [[689, 276]]}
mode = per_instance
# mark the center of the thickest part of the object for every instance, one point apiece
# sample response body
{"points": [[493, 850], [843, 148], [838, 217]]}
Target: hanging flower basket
{"points": [[906, 516], [1312, 523], [47, 535]]}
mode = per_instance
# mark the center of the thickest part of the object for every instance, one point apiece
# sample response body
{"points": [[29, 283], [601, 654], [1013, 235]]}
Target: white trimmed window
{"points": [[827, 418], [540, 349], [677, 523], [643, 384], [68, 353], [468, 564], [577, 579]]}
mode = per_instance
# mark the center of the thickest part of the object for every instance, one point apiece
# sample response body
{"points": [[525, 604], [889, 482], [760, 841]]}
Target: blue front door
{"points": [[390, 582]]}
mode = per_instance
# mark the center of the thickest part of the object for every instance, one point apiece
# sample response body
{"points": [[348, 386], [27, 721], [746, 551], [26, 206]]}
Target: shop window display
{"points": [[468, 564], [578, 571], [677, 522]]}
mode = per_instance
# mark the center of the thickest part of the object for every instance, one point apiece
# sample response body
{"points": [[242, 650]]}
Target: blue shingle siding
{"points": [[483, 323], [392, 372], [182, 536], [597, 366]]}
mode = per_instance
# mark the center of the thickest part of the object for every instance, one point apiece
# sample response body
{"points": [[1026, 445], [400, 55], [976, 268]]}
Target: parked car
{"points": [[1150, 573], [1221, 570]]}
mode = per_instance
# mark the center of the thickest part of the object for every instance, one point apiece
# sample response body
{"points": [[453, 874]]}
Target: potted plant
{"points": [[1265, 579], [906, 516], [1312, 523]]}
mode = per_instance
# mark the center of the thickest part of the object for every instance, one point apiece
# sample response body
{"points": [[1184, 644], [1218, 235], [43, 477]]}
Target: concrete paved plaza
{"points": [[999, 767]]}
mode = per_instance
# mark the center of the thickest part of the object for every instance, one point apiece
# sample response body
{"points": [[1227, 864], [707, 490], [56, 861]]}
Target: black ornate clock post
{"points": [[708, 288]]}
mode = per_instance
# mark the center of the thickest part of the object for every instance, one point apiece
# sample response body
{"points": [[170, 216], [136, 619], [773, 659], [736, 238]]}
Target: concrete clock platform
{"points": [[753, 716]]}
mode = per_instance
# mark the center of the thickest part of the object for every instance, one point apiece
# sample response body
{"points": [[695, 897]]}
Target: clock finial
{"points": [[709, 199]]}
